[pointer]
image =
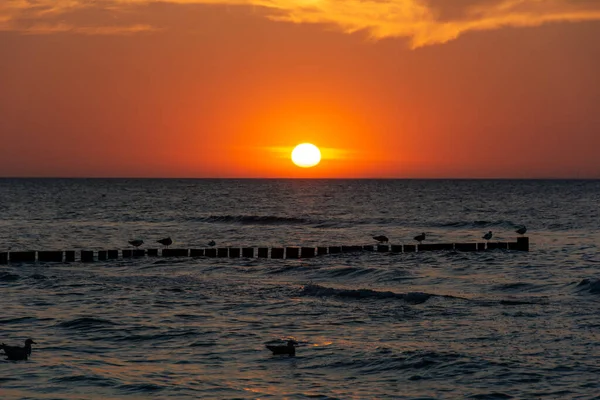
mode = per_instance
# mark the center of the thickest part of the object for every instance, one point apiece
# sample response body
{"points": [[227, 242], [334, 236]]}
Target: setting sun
{"points": [[306, 155]]}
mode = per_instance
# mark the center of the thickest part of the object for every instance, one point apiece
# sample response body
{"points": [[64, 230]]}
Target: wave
{"points": [[479, 224], [589, 285], [85, 323], [419, 362], [95, 380], [142, 387], [323, 291], [155, 337], [254, 219], [8, 277]]}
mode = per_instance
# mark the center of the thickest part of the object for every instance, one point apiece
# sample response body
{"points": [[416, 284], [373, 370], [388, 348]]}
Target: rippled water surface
{"points": [[443, 325]]}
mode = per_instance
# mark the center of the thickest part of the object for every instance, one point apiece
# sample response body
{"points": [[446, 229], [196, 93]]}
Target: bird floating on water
{"points": [[16, 353], [381, 238], [136, 243], [521, 230], [420, 238], [165, 242], [488, 235], [289, 348], [212, 243]]}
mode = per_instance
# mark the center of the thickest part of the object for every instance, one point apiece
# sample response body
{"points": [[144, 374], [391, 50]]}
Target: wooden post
{"points": [[292, 252], [308, 252], [87, 256], [139, 253], [382, 248], [263, 252], [409, 248], [70, 256], [369, 247], [196, 252], [127, 253], [50, 256], [248, 252], [396, 248], [465, 246], [152, 252], [21, 256], [234, 252], [102, 255], [113, 254], [4, 258], [222, 252], [322, 251], [175, 253], [335, 249], [277, 252], [523, 243], [212, 252]]}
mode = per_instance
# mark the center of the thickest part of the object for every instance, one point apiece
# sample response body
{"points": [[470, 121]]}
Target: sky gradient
{"points": [[386, 89]]}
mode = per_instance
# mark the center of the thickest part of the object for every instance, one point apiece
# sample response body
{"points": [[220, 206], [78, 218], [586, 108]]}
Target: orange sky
{"points": [[386, 89]]}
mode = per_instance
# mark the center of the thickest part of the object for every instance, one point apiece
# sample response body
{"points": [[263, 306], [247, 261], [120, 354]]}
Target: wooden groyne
{"points": [[292, 252]]}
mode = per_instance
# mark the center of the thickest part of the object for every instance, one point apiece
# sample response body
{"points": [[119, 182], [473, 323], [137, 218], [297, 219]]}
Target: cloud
{"points": [[422, 22]]}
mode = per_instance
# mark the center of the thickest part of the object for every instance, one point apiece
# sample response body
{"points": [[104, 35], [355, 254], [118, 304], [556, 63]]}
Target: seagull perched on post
{"points": [[136, 242], [165, 242], [420, 238], [16, 353], [381, 238], [521, 230], [289, 348], [488, 235]]}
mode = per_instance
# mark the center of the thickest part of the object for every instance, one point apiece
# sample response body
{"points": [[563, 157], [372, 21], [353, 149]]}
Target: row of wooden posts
{"points": [[522, 244]]}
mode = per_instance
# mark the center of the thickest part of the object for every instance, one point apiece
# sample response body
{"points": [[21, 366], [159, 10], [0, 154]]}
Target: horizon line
{"points": [[311, 178]]}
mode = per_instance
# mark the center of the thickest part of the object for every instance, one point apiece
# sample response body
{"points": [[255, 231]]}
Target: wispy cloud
{"points": [[422, 22]]}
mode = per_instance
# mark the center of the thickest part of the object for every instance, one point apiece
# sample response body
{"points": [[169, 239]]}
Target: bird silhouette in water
{"points": [[165, 242], [279, 349], [488, 235], [521, 230], [16, 353], [136, 243], [212, 243], [420, 238], [381, 238]]}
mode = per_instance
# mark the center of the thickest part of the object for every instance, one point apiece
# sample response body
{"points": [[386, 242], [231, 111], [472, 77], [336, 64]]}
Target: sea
{"points": [[498, 324]]}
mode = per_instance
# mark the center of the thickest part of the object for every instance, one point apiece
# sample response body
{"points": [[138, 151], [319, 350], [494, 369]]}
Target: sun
{"points": [[306, 155]]}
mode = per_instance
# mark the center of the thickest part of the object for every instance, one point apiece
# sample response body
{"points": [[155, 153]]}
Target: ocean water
{"points": [[435, 325]]}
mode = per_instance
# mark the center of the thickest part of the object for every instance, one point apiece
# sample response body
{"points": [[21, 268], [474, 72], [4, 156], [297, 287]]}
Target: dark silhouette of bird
{"points": [[136, 242], [165, 242], [521, 230], [212, 243], [289, 348], [381, 238], [16, 353], [488, 235], [420, 238]]}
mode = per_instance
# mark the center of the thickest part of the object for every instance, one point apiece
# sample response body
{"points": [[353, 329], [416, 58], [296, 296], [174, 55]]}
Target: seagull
{"points": [[16, 353], [420, 238], [136, 242], [165, 242], [521, 230], [488, 235], [212, 243], [289, 348], [381, 238]]}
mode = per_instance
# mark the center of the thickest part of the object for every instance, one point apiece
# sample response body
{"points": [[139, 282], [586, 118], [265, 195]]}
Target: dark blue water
{"points": [[444, 325]]}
